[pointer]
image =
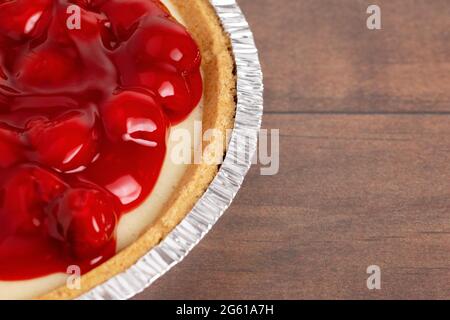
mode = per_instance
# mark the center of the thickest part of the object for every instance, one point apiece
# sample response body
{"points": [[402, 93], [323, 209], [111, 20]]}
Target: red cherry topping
{"points": [[89, 4], [11, 147], [26, 190], [68, 142], [136, 117], [33, 70], [84, 117], [89, 29], [21, 19], [171, 89], [126, 15], [84, 219], [163, 40]]}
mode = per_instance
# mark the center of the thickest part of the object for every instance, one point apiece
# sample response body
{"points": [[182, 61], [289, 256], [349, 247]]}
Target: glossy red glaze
{"points": [[84, 118]]}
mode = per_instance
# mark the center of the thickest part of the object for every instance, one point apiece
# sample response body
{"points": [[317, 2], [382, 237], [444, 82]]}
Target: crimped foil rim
{"points": [[220, 193]]}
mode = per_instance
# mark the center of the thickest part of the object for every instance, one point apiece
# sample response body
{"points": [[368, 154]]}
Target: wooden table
{"points": [[365, 160]]}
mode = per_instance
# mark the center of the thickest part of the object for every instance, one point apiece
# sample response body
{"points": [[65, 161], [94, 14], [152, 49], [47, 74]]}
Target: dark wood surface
{"points": [[365, 160]]}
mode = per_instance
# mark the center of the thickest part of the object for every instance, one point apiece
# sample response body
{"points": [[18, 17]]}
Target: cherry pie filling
{"points": [[85, 112]]}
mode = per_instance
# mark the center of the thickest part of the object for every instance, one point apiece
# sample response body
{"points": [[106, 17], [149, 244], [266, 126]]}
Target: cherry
{"points": [[171, 89], [178, 93], [125, 15], [136, 117], [26, 190], [163, 40], [67, 142], [83, 218], [23, 18]]}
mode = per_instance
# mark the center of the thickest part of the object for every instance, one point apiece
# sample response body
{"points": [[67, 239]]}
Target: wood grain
{"points": [[365, 161], [318, 55]]}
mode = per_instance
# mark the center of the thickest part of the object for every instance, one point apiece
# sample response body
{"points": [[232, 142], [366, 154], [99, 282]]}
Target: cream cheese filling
{"points": [[132, 224]]}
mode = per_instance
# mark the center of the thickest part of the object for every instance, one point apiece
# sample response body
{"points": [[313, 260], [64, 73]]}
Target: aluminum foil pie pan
{"points": [[220, 193]]}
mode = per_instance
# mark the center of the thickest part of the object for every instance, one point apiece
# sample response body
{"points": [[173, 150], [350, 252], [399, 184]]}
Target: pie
{"points": [[91, 93]]}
